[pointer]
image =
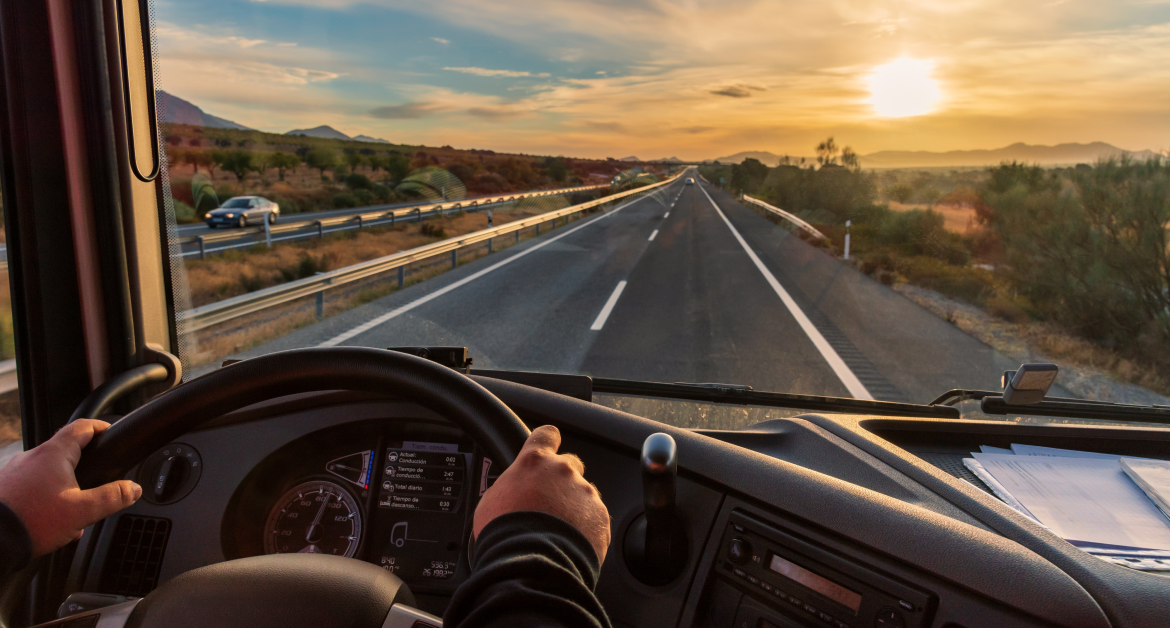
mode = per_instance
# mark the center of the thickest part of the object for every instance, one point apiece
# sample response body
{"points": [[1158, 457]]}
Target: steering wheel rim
{"points": [[113, 453]]}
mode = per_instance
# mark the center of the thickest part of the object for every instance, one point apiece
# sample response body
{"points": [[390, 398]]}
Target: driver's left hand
{"points": [[39, 486]]}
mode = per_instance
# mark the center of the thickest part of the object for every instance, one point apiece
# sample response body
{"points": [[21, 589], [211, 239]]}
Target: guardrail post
{"points": [[359, 221], [538, 228], [454, 259], [320, 304], [418, 210], [268, 230], [202, 250], [320, 229], [391, 219], [517, 236], [401, 276], [489, 246]]}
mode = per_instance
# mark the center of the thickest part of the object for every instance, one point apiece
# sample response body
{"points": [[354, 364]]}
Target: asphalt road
{"points": [[694, 307]]}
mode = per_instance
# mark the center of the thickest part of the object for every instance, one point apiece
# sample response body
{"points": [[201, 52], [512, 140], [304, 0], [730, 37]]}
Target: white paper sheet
{"points": [[1082, 499], [1036, 450]]}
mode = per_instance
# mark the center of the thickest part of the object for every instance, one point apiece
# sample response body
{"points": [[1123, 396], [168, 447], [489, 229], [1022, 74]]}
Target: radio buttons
{"points": [[889, 618], [738, 550]]}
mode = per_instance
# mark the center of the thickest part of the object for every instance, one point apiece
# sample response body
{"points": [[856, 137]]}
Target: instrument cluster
{"points": [[396, 494]]}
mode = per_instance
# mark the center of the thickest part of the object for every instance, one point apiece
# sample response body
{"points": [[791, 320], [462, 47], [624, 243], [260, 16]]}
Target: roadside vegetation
{"points": [[1077, 257], [305, 174]]}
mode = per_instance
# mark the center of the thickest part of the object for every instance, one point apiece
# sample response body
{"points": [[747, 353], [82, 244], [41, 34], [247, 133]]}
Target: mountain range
{"points": [[175, 110], [1061, 154]]}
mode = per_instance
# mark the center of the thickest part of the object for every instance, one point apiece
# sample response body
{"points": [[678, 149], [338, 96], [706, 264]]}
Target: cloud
{"points": [[487, 72], [737, 91], [406, 111], [696, 129], [445, 42], [503, 112]]}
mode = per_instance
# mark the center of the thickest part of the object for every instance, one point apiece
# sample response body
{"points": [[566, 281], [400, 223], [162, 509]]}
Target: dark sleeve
{"points": [[531, 569], [15, 543]]}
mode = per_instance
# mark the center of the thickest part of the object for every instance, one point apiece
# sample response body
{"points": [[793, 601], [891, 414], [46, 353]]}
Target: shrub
{"points": [[432, 230], [344, 200]]}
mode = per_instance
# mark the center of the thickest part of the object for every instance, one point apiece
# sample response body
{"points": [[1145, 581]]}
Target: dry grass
{"points": [[224, 276], [959, 218]]}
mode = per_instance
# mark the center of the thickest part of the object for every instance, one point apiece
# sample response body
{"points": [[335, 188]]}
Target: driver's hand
{"points": [[547, 482], [39, 486]]}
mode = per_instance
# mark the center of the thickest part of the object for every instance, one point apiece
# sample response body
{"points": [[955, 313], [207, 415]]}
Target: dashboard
{"points": [[808, 521]]}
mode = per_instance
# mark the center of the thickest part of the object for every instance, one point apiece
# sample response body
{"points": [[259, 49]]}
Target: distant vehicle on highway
{"points": [[690, 181], [239, 211]]}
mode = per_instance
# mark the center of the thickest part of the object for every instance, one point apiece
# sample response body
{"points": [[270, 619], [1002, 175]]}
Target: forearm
{"points": [[15, 543], [531, 569]]}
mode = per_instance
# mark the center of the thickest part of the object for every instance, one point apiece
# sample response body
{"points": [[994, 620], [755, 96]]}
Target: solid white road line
{"points": [[666, 215], [395, 313], [653, 235], [601, 318], [854, 385]]}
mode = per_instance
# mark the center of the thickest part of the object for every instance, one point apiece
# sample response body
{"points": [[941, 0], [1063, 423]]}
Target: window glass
{"points": [[11, 433], [846, 199]]}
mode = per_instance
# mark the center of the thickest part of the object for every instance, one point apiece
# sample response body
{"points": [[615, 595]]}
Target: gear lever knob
{"points": [[656, 543]]}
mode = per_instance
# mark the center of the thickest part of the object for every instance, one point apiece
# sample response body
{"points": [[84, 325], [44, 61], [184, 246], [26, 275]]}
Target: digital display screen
{"points": [[835, 592], [421, 509]]}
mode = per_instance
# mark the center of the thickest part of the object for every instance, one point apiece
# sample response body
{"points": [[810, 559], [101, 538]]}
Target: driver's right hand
{"points": [[544, 481]]}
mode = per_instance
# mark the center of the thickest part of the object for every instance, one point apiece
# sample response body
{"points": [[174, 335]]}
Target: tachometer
{"points": [[314, 518]]}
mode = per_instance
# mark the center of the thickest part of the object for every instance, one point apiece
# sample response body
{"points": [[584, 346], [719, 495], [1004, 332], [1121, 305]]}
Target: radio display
{"points": [[835, 592]]}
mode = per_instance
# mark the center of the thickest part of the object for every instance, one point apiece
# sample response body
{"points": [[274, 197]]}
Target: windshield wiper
{"points": [[745, 395], [991, 402]]}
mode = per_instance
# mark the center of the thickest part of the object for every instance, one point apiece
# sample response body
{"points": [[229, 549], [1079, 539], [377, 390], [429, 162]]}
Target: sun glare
{"points": [[903, 88]]}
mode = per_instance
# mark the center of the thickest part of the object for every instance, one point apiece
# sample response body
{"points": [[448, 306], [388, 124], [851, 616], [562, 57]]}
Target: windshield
{"points": [[236, 202], [853, 200]]}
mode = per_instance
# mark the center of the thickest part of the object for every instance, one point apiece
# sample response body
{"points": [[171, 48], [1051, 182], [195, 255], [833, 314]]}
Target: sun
{"points": [[903, 88]]}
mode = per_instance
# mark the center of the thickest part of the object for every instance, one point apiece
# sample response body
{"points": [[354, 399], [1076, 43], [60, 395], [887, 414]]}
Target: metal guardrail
{"points": [[235, 307], [376, 216], [785, 215]]}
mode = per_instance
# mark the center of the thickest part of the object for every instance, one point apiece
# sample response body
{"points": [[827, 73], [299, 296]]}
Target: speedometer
{"points": [[314, 518]]}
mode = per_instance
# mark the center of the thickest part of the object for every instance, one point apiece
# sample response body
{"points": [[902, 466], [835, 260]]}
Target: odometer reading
{"points": [[314, 518]]}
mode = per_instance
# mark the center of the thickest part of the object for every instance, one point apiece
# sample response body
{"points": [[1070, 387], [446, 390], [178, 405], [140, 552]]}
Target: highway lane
{"points": [[694, 307]]}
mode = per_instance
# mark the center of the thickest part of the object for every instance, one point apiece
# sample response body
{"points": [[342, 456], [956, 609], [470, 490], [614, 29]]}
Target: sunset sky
{"points": [[697, 80]]}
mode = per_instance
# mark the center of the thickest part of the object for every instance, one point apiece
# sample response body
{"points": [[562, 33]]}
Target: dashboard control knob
{"points": [[169, 476], [739, 550], [170, 473]]}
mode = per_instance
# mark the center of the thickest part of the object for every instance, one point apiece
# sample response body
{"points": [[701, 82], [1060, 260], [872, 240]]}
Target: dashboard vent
{"points": [[135, 555]]}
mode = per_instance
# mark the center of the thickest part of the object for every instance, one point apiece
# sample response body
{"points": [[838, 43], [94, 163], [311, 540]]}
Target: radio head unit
{"points": [[788, 582]]}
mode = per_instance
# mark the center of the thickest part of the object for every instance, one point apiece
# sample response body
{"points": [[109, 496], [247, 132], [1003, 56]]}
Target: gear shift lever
{"points": [[656, 544]]}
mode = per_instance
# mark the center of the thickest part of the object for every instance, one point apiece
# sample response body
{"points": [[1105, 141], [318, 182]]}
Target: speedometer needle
{"points": [[311, 535]]}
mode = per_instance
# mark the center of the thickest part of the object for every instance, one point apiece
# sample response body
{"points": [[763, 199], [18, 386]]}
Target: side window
{"points": [[11, 436]]}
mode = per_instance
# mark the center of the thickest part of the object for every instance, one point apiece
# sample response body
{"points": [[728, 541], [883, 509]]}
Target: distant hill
{"points": [[175, 110], [324, 130], [1061, 154], [768, 159], [367, 138], [630, 158], [668, 160]]}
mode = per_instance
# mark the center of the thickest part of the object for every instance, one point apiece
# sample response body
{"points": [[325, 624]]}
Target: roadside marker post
{"points": [[848, 223]]}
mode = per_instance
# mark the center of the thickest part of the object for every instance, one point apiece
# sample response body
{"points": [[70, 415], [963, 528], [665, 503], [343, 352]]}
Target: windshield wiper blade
{"points": [[745, 395], [991, 402]]}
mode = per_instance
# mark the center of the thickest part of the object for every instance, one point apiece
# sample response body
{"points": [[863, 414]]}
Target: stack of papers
{"points": [[1087, 498]]}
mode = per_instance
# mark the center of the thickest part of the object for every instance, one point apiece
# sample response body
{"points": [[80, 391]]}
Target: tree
{"points": [[849, 159], [214, 159], [353, 160], [284, 161], [261, 162], [322, 159], [376, 163], [749, 175], [237, 162], [397, 165], [827, 152], [556, 169], [900, 193], [930, 195]]}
